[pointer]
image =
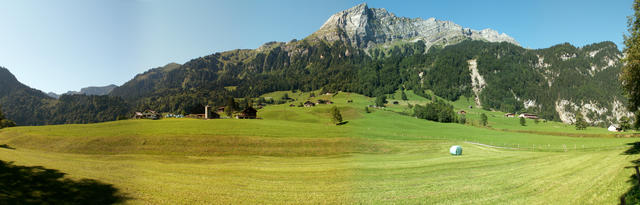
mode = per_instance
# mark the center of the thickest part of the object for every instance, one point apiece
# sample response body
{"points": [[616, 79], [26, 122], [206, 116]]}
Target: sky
{"points": [[62, 45]]}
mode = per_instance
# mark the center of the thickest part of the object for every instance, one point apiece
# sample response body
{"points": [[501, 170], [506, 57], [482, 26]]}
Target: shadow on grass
{"points": [[39, 185], [343, 123], [633, 195], [6, 146]]}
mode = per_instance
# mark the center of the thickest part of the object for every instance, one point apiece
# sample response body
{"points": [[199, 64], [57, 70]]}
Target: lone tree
{"points": [[404, 96], [630, 76], [336, 117], [484, 119], [381, 100], [581, 124], [523, 122]]}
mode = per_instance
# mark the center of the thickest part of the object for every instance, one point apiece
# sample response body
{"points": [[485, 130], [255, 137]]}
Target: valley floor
{"points": [[296, 156]]}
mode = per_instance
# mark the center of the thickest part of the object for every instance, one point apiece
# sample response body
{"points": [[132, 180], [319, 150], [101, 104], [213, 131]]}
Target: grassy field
{"points": [[295, 155]]}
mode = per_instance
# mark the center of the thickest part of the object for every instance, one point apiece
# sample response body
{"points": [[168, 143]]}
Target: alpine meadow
{"points": [[371, 108]]}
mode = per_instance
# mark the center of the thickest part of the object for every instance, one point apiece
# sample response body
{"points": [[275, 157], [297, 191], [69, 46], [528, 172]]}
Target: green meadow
{"points": [[295, 155]]}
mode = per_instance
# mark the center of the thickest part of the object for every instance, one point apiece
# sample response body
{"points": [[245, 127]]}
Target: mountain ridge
{"points": [[365, 27]]}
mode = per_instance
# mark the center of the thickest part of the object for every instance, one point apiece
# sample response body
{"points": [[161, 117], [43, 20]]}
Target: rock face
{"points": [[365, 27]]}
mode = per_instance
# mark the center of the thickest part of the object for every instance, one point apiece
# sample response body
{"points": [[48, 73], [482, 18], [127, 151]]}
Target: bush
{"points": [[381, 100], [438, 111], [484, 119], [463, 119], [523, 122]]}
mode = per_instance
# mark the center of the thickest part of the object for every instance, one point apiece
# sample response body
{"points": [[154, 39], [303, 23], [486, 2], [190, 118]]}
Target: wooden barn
{"points": [[248, 113]]}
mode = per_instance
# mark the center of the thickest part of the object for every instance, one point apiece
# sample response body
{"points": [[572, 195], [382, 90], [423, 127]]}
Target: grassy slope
{"points": [[295, 155]]}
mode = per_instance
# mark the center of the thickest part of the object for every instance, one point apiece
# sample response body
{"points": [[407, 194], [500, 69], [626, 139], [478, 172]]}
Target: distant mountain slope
{"points": [[28, 106], [20, 103], [93, 90]]}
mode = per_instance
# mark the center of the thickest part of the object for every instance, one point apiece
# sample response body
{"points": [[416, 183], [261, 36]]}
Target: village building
{"points": [[509, 115], [208, 114], [614, 128], [309, 104], [147, 114], [326, 102], [248, 113], [528, 116], [462, 112]]}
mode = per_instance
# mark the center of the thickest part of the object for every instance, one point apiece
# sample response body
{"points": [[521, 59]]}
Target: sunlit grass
{"points": [[295, 155]]}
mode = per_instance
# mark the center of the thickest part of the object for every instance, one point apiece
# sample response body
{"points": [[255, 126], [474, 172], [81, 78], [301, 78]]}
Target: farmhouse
{"points": [[529, 116], [327, 102], [309, 104], [462, 112], [208, 114], [148, 114], [614, 128], [509, 115], [248, 113]]}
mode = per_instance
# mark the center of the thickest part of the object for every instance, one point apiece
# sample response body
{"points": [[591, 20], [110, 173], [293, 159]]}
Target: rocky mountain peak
{"points": [[366, 27]]}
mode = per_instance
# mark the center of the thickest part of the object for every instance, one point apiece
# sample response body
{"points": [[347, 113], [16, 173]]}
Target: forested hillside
{"points": [[28, 106], [555, 83]]}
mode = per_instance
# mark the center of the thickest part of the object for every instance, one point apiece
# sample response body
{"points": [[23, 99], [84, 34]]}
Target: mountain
{"points": [[373, 52], [20, 103], [366, 51], [28, 106], [93, 90], [53, 95], [364, 27]]}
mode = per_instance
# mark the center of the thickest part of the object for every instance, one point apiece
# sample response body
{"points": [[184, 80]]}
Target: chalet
{"points": [[208, 114], [615, 128], [462, 112], [248, 113], [309, 104], [327, 102], [148, 114], [529, 116], [510, 115], [220, 109]]}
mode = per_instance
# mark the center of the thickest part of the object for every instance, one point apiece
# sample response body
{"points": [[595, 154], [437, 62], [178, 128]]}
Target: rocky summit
{"points": [[365, 27]]}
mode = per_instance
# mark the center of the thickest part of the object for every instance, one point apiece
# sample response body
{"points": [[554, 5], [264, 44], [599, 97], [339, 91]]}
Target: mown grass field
{"points": [[295, 155]]}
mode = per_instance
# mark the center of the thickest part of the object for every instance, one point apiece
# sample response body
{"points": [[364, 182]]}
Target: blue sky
{"points": [[66, 45]]}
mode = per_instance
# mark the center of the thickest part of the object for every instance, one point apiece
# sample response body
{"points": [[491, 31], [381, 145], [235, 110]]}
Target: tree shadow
{"points": [[343, 123], [632, 196], [39, 185]]}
